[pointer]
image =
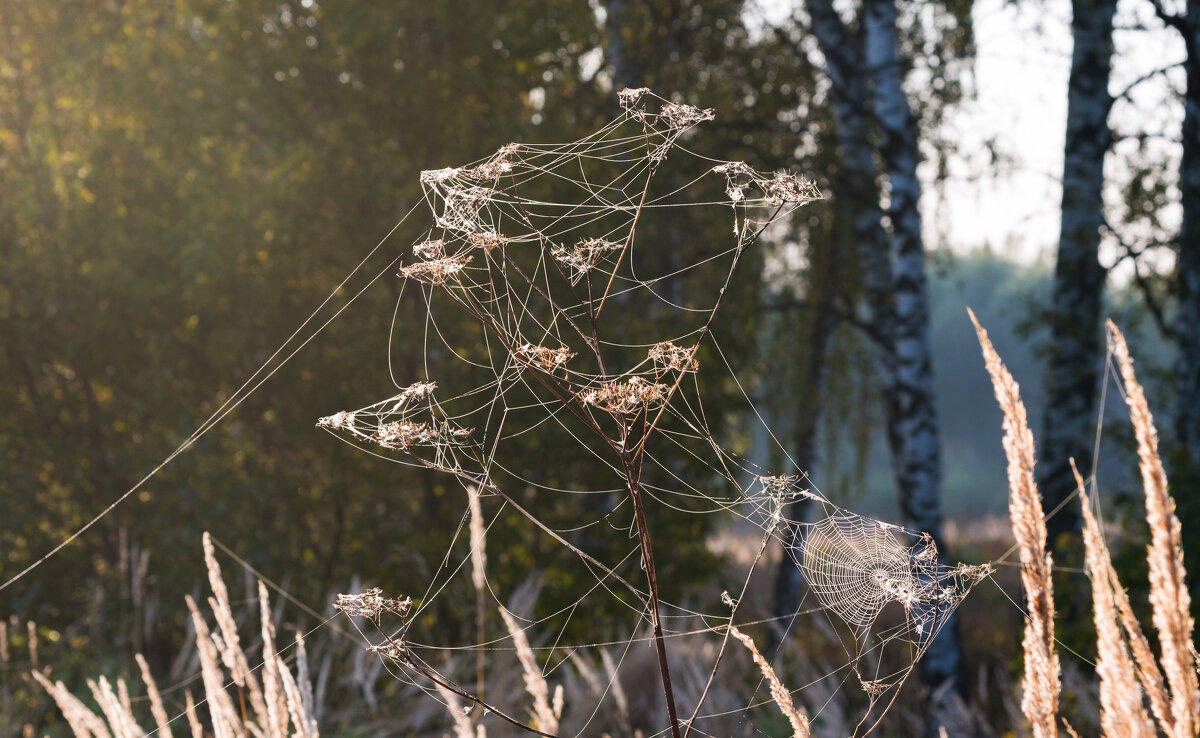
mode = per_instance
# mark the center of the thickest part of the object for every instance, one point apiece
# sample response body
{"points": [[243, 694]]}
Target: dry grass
{"points": [[1041, 686], [796, 718], [1168, 586], [1128, 671], [1122, 711], [280, 703]]}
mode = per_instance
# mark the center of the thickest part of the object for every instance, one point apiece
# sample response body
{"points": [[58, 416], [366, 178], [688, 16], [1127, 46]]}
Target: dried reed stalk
{"points": [[545, 715], [1148, 672], [193, 720], [229, 645], [1169, 596], [1122, 712], [779, 693], [162, 723], [478, 579], [1041, 685], [82, 721]]}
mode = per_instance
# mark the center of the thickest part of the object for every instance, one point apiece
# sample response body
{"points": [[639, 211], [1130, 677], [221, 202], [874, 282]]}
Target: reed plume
{"points": [[1042, 683], [779, 693], [545, 714], [1169, 596], [1122, 711]]}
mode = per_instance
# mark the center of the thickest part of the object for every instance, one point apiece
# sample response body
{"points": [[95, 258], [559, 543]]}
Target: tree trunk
{"points": [[1187, 275], [893, 278], [912, 411], [1077, 348]]}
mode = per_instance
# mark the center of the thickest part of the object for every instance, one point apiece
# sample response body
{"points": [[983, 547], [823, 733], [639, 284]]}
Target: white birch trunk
{"points": [[912, 417], [1076, 346], [1187, 319]]}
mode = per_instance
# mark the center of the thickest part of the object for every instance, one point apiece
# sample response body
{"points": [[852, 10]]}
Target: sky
{"points": [[1019, 78], [1020, 75]]}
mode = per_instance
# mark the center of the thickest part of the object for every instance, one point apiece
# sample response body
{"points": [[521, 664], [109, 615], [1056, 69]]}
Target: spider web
{"points": [[539, 245]]}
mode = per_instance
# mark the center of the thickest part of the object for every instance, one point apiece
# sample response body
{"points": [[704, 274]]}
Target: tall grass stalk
{"points": [[1042, 681], [1122, 710], [1169, 597]]}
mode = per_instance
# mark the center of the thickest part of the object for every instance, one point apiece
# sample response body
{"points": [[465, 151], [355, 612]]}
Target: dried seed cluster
{"points": [[371, 603], [436, 271], [625, 397], [679, 358], [546, 359]]}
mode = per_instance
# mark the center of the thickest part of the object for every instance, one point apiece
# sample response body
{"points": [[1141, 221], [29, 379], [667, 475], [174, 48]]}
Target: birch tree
{"points": [[1076, 348], [865, 74]]}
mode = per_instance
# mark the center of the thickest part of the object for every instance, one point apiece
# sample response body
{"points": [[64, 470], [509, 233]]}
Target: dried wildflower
{"points": [[430, 249], [487, 240], [973, 572], [499, 165], [787, 187], [436, 271], [546, 359], [404, 434], [396, 650], [584, 256], [873, 688], [371, 603], [630, 97], [622, 398], [680, 116], [414, 391], [337, 421], [461, 206], [738, 176], [670, 356], [439, 176]]}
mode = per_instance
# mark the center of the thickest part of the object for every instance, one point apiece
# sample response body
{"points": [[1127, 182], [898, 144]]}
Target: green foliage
{"points": [[181, 183]]}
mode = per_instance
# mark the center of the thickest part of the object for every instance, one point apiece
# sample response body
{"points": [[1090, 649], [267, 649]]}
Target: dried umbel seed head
{"points": [[873, 688], [487, 240], [630, 97], [436, 271], [625, 397], [738, 176], [794, 188], [973, 572], [371, 604], [404, 434], [439, 176], [679, 358], [546, 359], [679, 116], [499, 165], [337, 421], [783, 486], [584, 256], [416, 390], [430, 249]]}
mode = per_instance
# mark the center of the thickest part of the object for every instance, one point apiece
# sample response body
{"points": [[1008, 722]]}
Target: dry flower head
{"points": [[625, 397], [436, 271], [546, 359], [679, 358], [371, 604]]}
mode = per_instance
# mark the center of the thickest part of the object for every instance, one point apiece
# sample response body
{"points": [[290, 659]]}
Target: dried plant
{"points": [[1122, 711], [1169, 596], [1042, 685], [280, 704], [796, 717]]}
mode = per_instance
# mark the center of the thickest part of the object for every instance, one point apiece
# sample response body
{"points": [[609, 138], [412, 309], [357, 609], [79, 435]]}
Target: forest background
{"points": [[179, 182]]}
